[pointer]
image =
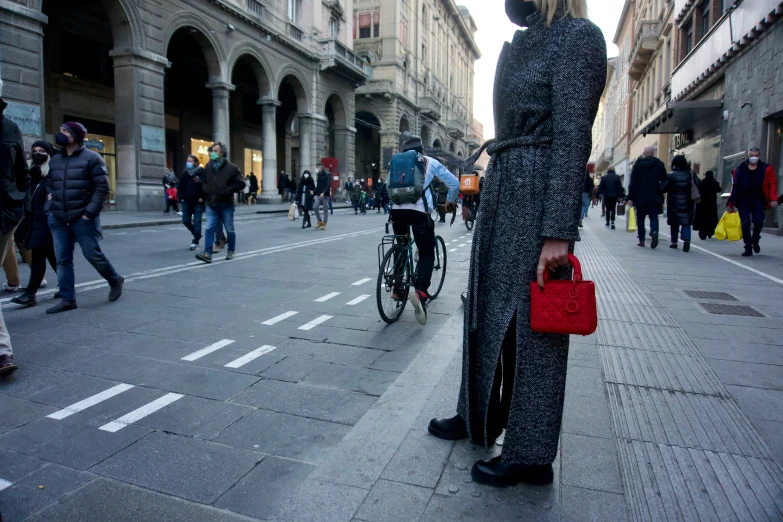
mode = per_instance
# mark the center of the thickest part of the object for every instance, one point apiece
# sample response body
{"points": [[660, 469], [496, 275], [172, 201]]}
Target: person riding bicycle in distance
{"points": [[409, 185]]}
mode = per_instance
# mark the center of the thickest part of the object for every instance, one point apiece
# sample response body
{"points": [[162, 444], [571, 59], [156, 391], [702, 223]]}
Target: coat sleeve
{"points": [[730, 203], [100, 180], [633, 183], [577, 83], [237, 183]]}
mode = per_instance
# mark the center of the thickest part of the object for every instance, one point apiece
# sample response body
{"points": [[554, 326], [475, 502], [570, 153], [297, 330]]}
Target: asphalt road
{"points": [[206, 390]]}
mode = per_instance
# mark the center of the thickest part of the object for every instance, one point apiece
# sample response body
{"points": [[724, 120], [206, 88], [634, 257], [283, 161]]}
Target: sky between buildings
{"points": [[494, 29]]}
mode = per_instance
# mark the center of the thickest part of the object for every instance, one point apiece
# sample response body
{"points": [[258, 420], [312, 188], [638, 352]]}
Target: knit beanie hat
{"points": [[45, 146], [410, 141], [77, 130]]}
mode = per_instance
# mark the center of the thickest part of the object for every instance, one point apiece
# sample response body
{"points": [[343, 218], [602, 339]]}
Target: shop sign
{"points": [[153, 138], [94, 144], [27, 117], [683, 138]]}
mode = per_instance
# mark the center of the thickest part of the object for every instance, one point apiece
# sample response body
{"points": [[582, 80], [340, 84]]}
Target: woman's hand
{"points": [[553, 255]]}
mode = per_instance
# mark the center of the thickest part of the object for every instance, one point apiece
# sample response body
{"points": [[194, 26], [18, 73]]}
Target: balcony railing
{"points": [[377, 87], [255, 7], [335, 54], [455, 128], [646, 41], [605, 159], [430, 107], [294, 32]]}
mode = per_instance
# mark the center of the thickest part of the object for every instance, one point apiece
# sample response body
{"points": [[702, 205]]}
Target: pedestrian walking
{"points": [[679, 204], [13, 189], [170, 182], [323, 194], [645, 193], [10, 264], [253, 189], [221, 180], [78, 185], [539, 156], [304, 197], [610, 188], [191, 194], [356, 196], [707, 209], [38, 238], [587, 195], [363, 202], [291, 189], [382, 196], [755, 189], [281, 184]]}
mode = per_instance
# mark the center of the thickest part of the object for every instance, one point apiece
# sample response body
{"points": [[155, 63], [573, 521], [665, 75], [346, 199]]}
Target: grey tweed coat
{"points": [[548, 84]]}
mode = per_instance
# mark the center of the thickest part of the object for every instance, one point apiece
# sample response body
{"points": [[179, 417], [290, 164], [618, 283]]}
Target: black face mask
{"points": [[39, 158], [518, 11]]}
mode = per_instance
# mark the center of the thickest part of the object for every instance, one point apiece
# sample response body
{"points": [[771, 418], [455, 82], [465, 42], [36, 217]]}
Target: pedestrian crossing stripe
{"points": [[198, 354], [89, 401], [315, 322], [279, 318], [358, 300], [248, 357], [140, 413]]}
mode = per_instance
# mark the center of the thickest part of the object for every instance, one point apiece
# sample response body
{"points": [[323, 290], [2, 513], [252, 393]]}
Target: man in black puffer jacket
{"points": [[78, 185]]}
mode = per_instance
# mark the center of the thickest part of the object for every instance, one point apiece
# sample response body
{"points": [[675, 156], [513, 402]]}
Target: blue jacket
{"points": [[78, 183]]}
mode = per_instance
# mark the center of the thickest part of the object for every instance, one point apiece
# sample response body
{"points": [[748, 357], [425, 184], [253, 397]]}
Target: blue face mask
{"points": [[189, 165]]}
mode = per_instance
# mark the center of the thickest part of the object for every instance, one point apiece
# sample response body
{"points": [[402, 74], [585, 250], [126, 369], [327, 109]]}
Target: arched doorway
{"points": [[336, 144], [189, 105], [80, 86], [368, 146], [425, 136], [251, 84], [405, 125], [437, 144], [293, 135]]}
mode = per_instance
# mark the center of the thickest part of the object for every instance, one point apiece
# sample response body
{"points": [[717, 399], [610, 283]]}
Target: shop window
{"points": [[104, 145], [254, 162], [200, 149]]}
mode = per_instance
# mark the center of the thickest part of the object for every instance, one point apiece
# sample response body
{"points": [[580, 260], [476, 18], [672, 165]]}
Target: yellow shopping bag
{"points": [[630, 223], [729, 227]]}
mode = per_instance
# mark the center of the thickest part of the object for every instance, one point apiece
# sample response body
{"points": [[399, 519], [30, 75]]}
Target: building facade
{"points": [[155, 81], [602, 154], [651, 63], [623, 101], [419, 56]]}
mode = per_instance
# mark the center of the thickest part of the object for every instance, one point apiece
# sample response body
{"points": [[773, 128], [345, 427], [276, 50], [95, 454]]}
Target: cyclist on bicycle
{"points": [[418, 217]]}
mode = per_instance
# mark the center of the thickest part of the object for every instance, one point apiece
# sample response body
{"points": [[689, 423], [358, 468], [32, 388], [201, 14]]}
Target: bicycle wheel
{"points": [[389, 278], [439, 272]]}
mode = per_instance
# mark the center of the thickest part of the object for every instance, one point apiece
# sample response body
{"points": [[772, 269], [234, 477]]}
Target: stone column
{"points": [[140, 136], [306, 144], [390, 145], [269, 135], [343, 139], [221, 130]]}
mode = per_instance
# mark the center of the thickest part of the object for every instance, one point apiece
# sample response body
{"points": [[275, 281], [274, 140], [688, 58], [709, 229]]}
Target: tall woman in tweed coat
{"points": [[547, 87]]}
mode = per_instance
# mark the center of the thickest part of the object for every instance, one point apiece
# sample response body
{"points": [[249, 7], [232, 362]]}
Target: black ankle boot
{"points": [[496, 473], [25, 300], [449, 429]]}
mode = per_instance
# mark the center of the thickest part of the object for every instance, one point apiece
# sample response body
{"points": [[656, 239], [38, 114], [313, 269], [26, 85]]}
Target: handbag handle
{"points": [[574, 261]]}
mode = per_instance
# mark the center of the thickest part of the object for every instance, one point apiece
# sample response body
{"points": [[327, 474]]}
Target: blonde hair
{"points": [[573, 9]]}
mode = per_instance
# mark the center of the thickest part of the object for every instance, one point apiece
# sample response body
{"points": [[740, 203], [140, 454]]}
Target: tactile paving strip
{"points": [[687, 451]]}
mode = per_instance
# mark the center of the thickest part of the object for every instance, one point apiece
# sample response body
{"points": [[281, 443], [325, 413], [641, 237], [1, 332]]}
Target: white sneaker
{"points": [[43, 283], [419, 307], [193, 245], [179, 213], [9, 288]]}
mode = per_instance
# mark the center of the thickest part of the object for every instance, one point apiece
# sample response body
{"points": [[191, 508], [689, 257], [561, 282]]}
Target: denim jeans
{"points": [[686, 233], [216, 214], [191, 218], [318, 203], [585, 205], [642, 212], [86, 232]]}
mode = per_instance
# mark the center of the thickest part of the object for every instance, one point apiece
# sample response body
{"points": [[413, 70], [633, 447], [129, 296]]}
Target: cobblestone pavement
{"points": [[268, 388]]}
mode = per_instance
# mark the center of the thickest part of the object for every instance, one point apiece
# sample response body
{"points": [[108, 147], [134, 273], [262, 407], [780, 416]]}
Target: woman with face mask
{"points": [[548, 84], [304, 197], [38, 238]]}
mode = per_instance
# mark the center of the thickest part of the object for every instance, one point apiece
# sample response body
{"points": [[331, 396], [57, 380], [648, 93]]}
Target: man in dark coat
{"points": [[755, 189], [78, 184], [323, 195], [222, 179], [14, 182], [611, 188], [191, 194], [645, 192]]}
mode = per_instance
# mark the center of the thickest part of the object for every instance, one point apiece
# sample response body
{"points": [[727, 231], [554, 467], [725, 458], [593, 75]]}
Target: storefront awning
{"points": [[697, 116]]}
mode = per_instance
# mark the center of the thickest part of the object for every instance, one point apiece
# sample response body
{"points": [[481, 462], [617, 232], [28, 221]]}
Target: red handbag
{"points": [[564, 307]]}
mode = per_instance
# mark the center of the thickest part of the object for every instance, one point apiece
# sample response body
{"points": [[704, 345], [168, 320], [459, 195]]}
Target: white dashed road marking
{"points": [[279, 318], [140, 413], [255, 354], [453, 250], [462, 245], [208, 350], [361, 281], [4, 484], [315, 322], [358, 300], [89, 401], [327, 297]]}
